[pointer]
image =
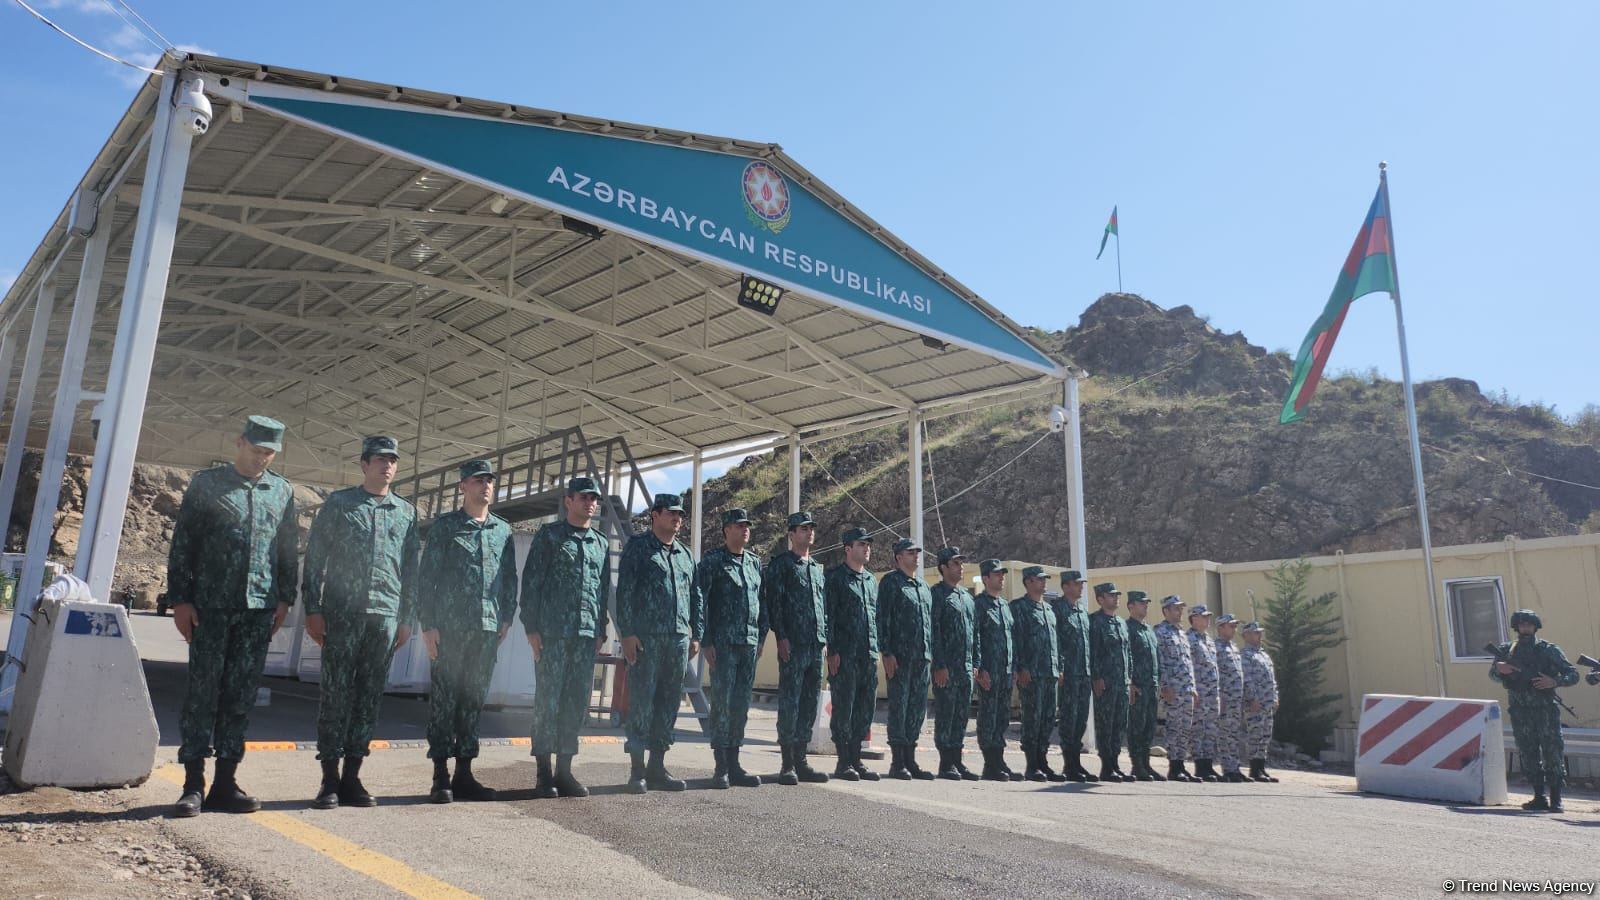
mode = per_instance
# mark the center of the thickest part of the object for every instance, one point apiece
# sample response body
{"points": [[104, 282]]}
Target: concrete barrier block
{"points": [[1431, 748]]}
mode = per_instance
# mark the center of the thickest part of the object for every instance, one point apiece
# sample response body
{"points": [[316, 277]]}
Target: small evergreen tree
{"points": [[1300, 628]]}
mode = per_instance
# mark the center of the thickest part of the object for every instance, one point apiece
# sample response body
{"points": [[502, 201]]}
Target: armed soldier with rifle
{"points": [[1531, 670]]}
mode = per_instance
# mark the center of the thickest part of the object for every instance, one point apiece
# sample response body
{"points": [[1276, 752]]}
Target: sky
{"points": [[1239, 141]]}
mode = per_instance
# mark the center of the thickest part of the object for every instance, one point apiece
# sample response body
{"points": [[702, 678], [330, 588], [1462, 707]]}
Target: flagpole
{"points": [[1119, 258], [1416, 443]]}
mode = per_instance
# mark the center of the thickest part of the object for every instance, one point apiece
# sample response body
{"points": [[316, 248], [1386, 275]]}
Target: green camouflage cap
{"points": [[852, 535], [583, 484], [264, 433], [1033, 572], [1071, 575], [1106, 587], [472, 468], [668, 502], [1138, 597], [735, 516], [948, 553], [991, 566], [800, 518], [380, 445], [906, 544]]}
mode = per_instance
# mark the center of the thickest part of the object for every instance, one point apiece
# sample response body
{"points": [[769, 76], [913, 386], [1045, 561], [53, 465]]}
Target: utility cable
{"points": [[85, 44]]}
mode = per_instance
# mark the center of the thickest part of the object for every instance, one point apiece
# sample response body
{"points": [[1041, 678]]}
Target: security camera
{"points": [[1058, 419], [192, 106]]}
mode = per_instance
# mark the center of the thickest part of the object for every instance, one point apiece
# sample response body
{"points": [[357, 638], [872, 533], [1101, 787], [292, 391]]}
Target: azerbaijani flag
{"points": [[1368, 268], [1111, 228]]}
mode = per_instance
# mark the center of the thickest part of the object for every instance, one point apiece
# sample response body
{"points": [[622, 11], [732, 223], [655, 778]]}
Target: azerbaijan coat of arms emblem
{"points": [[766, 196]]}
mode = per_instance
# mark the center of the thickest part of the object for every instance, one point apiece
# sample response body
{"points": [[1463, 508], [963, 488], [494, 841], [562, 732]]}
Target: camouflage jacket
{"points": [[1072, 631], [1144, 663], [1038, 652], [1108, 648], [467, 580], [1230, 677], [795, 607], [905, 617], [564, 582], [1204, 653], [731, 586], [235, 544], [656, 593], [361, 556], [1536, 657], [1260, 681], [994, 644], [1177, 664], [852, 613], [954, 643]]}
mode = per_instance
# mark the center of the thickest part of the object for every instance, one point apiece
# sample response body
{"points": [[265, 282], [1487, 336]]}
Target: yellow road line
{"points": [[383, 869]]}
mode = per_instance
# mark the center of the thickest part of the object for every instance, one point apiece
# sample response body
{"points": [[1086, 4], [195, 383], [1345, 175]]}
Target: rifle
{"points": [[1594, 668], [1523, 681]]}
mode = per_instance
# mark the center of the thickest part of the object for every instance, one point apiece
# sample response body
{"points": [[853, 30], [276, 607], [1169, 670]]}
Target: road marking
{"points": [[263, 746], [383, 869]]}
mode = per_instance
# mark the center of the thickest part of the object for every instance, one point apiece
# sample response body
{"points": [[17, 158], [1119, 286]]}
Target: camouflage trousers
{"points": [[1536, 726], [564, 678], [952, 707], [1258, 731], [1111, 720], [994, 713], [1230, 733], [908, 702], [799, 683], [1142, 721], [1180, 727], [854, 691], [1072, 711], [1038, 698], [1206, 726], [356, 652], [732, 679], [655, 690], [460, 679], [226, 653]]}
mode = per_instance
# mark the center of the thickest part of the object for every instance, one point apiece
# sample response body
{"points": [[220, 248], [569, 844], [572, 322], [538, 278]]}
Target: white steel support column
{"points": [[1073, 434], [144, 293], [914, 429], [697, 508], [794, 473], [22, 409]]}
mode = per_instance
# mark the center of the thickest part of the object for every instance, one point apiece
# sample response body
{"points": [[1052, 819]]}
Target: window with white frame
{"points": [[1477, 616]]}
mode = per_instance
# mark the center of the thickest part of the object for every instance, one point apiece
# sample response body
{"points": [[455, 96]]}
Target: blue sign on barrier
{"points": [[94, 624]]}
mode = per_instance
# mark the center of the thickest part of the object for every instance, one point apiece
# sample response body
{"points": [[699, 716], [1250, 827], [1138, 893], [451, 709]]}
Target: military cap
{"points": [[264, 433], [668, 502], [1171, 600], [472, 468], [1138, 597], [852, 535], [1526, 615], [1033, 572], [1071, 575], [797, 519], [735, 516], [583, 484], [991, 566], [906, 544], [948, 553], [1106, 587], [1227, 619], [1199, 610], [380, 445], [1253, 627]]}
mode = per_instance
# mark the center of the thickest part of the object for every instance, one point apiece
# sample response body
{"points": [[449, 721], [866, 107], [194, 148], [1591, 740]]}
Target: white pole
{"points": [[794, 473], [697, 518], [8, 356], [22, 410], [144, 293], [914, 429], [1073, 438]]}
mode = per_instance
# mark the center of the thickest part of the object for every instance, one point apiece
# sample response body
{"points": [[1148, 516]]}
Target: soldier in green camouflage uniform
{"points": [[1144, 677], [564, 585], [230, 581], [1536, 669], [851, 597], [954, 656], [360, 589], [1072, 708], [1038, 671], [729, 578], [1108, 651], [905, 636], [466, 598], [994, 654], [659, 611], [793, 587]]}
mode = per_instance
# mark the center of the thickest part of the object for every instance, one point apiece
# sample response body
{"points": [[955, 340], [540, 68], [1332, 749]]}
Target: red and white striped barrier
{"points": [[1432, 748]]}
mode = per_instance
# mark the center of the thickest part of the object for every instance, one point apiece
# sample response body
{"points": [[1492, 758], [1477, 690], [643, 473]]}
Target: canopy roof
{"points": [[355, 257]]}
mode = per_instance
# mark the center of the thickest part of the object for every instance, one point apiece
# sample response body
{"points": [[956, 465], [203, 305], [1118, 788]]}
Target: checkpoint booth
{"points": [[567, 294]]}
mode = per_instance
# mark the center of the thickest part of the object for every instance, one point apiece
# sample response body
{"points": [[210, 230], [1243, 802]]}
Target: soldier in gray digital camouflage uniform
{"points": [[230, 581], [955, 653], [729, 578], [360, 588], [851, 597], [1230, 688], [1072, 708], [793, 584], [1209, 707], [1038, 671], [1260, 701], [466, 598], [1178, 693], [563, 607], [994, 668]]}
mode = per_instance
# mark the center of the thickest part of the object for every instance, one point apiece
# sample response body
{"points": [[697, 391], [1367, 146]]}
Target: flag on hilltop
{"points": [[1111, 228], [1368, 268]]}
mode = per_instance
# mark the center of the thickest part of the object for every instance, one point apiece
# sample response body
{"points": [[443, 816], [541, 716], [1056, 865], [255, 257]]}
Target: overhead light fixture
{"points": [[759, 295], [933, 343], [499, 203], [578, 226]]}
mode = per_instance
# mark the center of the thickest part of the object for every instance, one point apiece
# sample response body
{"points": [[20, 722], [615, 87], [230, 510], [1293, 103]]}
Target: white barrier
{"points": [[81, 716], [1432, 748]]}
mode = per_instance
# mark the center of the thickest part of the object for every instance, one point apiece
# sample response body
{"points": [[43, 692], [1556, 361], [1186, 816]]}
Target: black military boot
{"points": [[657, 776], [1255, 770], [567, 785], [1182, 774], [636, 779], [947, 765], [544, 786], [1044, 765], [1150, 771], [844, 770], [961, 766], [1234, 776], [225, 794], [897, 763], [440, 792], [194, 789], [803, 770], [1204, 771], [786, 775], [1538, 803], [328, 793], [1108, 771], [737, 776], [1268, 776], [466, 787], [719, 778], [1013, 774], [1141, 769], [1071, 768], [1035, 760], [861, 767], [992, 770], [351, 791], [1555, 799]]}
